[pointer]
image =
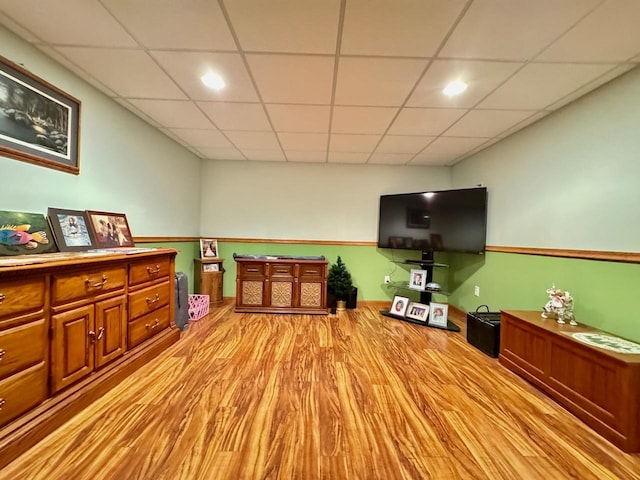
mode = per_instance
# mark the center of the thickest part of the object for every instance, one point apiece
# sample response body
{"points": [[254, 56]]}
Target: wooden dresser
{"points": [[72, 327], [281, 285], [599, 386]]}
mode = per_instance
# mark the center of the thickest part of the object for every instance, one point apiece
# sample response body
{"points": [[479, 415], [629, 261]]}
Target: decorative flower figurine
{"points": [[559, 306]]}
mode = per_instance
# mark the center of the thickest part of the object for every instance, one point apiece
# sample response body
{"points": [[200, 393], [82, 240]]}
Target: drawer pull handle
{"points": [[100, 333], [2, 297], [252, 270], [155, 324], [92, 336], [2, 402], [2, 353], [153, 271], [153, 300], [101, 284]]}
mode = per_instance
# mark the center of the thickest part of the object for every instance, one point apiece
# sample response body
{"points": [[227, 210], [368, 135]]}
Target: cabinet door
{"points": [[280, 286], [72, 347], [111, 337]]}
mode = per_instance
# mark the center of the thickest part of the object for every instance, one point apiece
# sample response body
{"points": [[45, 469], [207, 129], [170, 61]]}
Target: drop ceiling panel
{"points": [[173, 113], [129, 73], [487, 123], [16, 28], [348, 157], [69, 22], [188, 24], [513, 29], [445, 150], [482, 78], [390, 158], [354, 143], [306, 157], [608, 34], [199, 138], [538, 85], [264, 155], [218, 153], [519, 126], [304, 142], [299, 118], [297, 26], [425, 121], [400, 28], [186, 68], [254, 140], [403, 144], [237, 116], [362, 119], [376, 81], [293, 78]]}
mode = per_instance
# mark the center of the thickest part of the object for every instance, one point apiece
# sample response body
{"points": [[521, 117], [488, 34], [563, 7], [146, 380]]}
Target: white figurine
{"points": [[559, 306]]}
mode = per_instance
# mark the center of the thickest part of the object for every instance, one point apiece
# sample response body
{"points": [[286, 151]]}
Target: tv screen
{"points": [[445, 221]]}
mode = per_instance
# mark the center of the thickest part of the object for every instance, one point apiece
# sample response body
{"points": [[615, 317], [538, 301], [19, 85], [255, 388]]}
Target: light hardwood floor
{"points": [[348, 396]]}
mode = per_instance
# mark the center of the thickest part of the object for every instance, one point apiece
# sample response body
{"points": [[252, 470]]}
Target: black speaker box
{"points": [[483, 332]]}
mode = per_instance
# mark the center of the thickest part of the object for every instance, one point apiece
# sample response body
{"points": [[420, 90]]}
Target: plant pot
{"points": [[341, 305]]}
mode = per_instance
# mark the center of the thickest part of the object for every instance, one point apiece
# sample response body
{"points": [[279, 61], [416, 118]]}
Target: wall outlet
{"points": [[476, 291], [387, 279]]}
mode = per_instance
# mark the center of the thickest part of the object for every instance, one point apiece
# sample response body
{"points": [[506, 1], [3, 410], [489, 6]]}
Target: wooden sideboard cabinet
{"points": [[599, 386], [281, 285], [72, 326]]}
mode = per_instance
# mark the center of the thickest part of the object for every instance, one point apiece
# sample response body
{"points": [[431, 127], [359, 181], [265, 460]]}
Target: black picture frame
{"points": [[111, 230], [71, 230], [39, 123]]}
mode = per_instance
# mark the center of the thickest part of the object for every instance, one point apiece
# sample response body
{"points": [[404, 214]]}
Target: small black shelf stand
{"points": [[425, 263]]}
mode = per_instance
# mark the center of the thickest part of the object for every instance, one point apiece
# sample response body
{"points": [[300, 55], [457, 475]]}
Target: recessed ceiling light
{"points": [[455, 88], [213, 81]]}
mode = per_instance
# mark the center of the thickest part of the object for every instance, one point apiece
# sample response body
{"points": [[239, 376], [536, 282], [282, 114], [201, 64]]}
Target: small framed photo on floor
{"points": [[439, 313], [418, 311], [399, 306], [418, 279]]}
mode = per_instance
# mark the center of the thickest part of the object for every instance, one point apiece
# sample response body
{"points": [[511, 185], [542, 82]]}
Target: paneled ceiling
{"points": [[337, 81]]}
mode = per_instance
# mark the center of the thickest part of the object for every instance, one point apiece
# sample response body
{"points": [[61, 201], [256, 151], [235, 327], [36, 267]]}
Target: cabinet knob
{"points": [[100, 333], [152, 270], [2, 297], [92, 336], [2, 352], [2, 402], [153, 299], [150, 326], [90, 283]]}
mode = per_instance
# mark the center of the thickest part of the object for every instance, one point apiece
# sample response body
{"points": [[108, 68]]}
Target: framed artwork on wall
{"points": [[23, 233], [208, 248], [110, 230], [71, 229], [39, 123]]}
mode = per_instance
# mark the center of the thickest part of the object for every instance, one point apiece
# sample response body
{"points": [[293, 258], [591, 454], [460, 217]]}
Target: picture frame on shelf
{"points": [[439, 313], [110, 230], [211, 267], [399, 306], [417, 279], [208, 248], [418, 311], [24, 233], [71, 230], [46, 133]]}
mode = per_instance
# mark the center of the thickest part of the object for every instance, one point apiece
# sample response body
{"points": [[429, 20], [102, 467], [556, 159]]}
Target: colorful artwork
{"points": [[24, 233]]}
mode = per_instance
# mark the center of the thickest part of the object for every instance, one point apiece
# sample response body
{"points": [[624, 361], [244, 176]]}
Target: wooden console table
{"points": [[599, 386], [281, 285]]}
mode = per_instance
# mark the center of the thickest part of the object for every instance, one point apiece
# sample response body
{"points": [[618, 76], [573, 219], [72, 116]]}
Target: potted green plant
{"points": [[339, 282]]}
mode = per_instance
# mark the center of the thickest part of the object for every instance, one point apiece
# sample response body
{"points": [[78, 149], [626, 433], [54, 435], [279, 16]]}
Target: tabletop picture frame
{"points": [[417, 279], [208, 248], [48, 133], [399, 306], [71, 229], [110, 230], [439, 313], [418, 311]]}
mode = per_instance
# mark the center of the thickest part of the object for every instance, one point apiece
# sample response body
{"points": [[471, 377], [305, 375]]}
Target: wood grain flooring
{"points": [[348, 396]]}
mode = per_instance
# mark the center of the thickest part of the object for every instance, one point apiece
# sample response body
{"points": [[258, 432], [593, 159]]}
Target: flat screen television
{"points": [[440, 221]]}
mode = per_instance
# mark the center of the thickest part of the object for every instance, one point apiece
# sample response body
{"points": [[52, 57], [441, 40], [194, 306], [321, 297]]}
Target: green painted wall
{"points": [[605, 293]]}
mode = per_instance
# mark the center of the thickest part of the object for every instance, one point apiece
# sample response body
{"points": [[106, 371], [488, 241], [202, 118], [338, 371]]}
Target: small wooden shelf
{"points": [[209, 276]]}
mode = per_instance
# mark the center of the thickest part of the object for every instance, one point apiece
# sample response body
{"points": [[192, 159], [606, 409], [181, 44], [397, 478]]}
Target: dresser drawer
{"points": [[276, 270], [88, 283], [251, 269], [21, 296], [149, 270], [147, 326], [22, 347], [148, 299], [22, 391], [311, 270]]}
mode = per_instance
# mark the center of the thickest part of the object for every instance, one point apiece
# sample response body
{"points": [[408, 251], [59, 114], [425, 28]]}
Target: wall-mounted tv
{"points": [[445, 221]]}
